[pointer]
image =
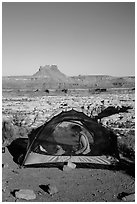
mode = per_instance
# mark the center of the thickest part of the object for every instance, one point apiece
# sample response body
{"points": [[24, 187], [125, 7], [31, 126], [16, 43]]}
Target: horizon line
{"points": [[73, 75]]}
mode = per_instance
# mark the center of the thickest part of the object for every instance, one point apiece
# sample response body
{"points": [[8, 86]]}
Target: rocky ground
{"points": [[80, 184]]}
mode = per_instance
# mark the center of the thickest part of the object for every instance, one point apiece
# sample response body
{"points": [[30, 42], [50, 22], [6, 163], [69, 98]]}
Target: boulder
{"points": [[26, 194]]}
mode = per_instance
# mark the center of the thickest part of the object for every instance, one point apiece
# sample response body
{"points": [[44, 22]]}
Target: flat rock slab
{"points": [[26, 194], [129, 198]]}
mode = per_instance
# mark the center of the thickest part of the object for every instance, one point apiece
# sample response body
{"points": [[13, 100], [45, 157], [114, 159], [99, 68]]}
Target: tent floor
{"points": [[35, 158]]}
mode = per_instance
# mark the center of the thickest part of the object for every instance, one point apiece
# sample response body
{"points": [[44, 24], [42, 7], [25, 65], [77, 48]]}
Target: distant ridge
{"points": [[50, 77]]}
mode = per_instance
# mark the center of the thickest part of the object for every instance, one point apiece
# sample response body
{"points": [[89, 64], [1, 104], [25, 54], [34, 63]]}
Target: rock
{"points": [[26, 194], [69, 166], [4, 186], [129, 198], [39, 193], [52, 189], [9, 133], [4, 189], [126, 197], [3, 149], [14, 171], [66, 168], [5, 165]]}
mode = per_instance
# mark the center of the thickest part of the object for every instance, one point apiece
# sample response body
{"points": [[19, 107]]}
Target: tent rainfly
{"points": [[46, 145]]}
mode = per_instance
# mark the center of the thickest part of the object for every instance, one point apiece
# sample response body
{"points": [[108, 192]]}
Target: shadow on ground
{"points": [[18, 147]]}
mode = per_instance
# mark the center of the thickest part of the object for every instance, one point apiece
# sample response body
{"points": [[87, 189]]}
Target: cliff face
{"points": [[50, 72]]}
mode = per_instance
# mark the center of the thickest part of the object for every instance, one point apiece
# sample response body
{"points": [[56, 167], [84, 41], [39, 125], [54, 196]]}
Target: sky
{"points": [[82, 38]]}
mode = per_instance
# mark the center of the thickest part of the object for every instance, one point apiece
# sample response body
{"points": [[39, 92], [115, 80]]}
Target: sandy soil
{"points": [[78, 185]]}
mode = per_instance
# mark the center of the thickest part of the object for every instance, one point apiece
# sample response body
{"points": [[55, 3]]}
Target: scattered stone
{"points": [[39, 193], [69, 166], [126, 197], [26, 194], [5, 165], [4, 186], [51, 189], [66, 168], [3, 149], [14, 171], [129, 198], [4, 189]]}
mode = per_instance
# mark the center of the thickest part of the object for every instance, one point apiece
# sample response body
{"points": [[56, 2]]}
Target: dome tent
{"points": [[43, 141]]}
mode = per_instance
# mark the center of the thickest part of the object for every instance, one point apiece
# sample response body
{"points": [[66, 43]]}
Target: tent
{"points": [[44, 142]]}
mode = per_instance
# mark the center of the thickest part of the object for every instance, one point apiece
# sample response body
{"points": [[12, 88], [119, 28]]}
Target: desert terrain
{"points": [[26, 106]]}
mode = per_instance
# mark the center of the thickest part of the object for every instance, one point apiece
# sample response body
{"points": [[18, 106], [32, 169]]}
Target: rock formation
{"points": [[50, 72]]}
